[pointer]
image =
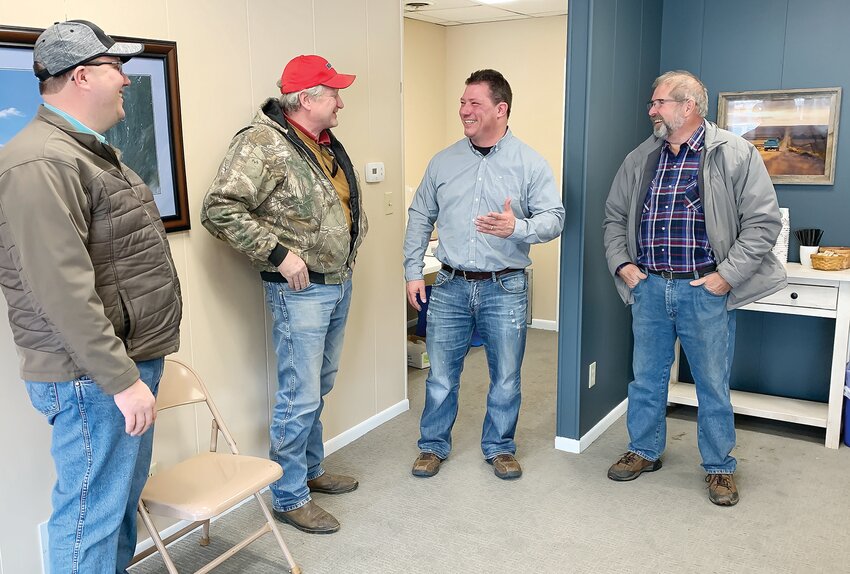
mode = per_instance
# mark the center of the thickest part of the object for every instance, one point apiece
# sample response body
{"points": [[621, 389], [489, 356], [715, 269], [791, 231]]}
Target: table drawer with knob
{"points": [[800, 295]]}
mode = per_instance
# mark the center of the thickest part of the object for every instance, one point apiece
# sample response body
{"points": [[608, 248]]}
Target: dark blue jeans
{"points": [[498, 308], [663, 310]]}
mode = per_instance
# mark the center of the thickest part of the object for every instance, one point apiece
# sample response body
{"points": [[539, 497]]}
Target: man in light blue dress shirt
{"points": [[490, 197]]}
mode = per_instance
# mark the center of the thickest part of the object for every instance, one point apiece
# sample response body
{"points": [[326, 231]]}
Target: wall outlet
{"points": [[152, 470], [591, 375]]}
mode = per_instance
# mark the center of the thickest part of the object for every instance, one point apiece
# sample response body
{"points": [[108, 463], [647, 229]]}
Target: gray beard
{"points": [[660, 130]]}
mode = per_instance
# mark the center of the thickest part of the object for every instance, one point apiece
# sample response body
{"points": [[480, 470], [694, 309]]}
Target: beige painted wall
{"points": [[230, 54], [531, 54], [424, 96]]}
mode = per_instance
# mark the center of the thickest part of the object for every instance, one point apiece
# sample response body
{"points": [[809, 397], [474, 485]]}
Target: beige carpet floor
{"points": [[563, 515]]}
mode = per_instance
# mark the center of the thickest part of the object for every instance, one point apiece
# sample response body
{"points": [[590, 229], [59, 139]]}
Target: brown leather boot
{"points": [[310, 518], [630, 466], [426, 465], [722, 490], [332, 484], [506, 466]]}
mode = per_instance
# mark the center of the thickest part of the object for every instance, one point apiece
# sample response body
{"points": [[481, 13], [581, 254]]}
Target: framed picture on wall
{"points": [[151, 136], [795, 131]]}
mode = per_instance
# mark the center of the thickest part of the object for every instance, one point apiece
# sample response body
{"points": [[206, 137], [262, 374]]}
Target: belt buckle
{"points": [[668, 275]]}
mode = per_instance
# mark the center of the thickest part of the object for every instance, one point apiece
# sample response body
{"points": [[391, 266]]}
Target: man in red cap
{"points": [[286, 196]]}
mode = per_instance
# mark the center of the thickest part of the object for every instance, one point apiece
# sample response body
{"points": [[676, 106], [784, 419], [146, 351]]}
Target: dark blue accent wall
{"points": [[613, 57], [615, 49]]}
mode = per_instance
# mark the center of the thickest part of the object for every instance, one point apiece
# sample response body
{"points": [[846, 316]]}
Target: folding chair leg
{"points": [[205, 534], [293, 567], [157, 540]]}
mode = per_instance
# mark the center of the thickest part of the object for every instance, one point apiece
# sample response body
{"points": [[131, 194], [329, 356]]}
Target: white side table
{"points": [[811, 293]]}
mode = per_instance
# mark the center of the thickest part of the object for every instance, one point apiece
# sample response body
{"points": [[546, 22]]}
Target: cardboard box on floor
{"points": [[417, 356]]}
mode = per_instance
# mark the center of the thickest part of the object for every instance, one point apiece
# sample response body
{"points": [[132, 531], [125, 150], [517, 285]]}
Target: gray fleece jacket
{"points": [[741, 214]]}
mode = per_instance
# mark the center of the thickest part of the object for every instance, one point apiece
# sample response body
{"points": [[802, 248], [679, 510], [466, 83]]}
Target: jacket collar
{"points": [[87, 140]]}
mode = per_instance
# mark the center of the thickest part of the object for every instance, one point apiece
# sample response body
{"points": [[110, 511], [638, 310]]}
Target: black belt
{"points": [[275, 277], [477, 275], [695, 274]]}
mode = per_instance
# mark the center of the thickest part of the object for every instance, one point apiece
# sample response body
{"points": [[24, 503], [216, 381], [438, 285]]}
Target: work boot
{"points": [[630, 466], [310, 518], [506, 466], [426, 465], [722, 490], [332, 484]]}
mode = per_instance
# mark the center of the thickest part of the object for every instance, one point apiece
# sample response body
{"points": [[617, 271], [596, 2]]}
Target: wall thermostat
{"points": [[374, 172]]}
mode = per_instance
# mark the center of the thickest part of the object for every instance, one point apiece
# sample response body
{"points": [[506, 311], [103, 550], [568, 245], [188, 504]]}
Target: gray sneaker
{"points": [[630, 466], [722, 490]]}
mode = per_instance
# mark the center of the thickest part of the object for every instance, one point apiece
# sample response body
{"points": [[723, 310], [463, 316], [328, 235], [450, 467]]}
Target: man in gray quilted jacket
{"points": [[93, 296]]}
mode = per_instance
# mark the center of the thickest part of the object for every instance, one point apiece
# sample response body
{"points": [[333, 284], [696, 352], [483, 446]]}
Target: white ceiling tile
{"points": [[534, 6], [425, 18], [453, 12], [477, 13]]}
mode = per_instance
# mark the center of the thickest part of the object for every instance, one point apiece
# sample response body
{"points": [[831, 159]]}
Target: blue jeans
{"points": [[100, 473], [308, 331], [663, 310], [498, 308]]}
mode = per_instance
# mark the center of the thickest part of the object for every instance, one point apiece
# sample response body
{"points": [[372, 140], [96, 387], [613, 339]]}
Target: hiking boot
{"points": [[310, 518], [630, 466], [506, 466], [426, 465], [332, 484], [722, 490]]}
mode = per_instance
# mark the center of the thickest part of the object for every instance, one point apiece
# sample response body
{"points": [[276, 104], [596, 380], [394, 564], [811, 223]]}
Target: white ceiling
{"points": [[455, 12]]}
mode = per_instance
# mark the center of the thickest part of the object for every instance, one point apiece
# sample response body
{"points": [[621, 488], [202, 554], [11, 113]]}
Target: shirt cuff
{"points": [[278, 254], [520, 231]]}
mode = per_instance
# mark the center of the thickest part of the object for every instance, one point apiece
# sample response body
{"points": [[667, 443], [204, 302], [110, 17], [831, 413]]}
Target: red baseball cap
{"points": [[305, 72]]}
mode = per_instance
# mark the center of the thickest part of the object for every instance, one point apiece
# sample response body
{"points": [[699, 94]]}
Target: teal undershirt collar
{"points": [[76, 123]]}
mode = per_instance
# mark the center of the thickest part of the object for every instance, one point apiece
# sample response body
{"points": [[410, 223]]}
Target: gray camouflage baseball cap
{"points": [[68, 44]]}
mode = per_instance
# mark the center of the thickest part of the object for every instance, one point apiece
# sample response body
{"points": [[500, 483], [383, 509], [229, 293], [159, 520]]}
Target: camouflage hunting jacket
{"points": [[270, 191]]}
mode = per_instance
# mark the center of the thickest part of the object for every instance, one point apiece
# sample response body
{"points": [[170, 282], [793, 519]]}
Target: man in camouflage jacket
{"points": [[286, 195]]}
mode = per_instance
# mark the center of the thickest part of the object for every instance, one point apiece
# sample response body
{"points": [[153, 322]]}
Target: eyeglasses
{"points": [[117, 65], [661, 101]]}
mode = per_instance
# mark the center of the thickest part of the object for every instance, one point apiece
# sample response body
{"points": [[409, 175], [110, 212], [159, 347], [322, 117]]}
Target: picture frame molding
{"points": [[828, 177], [21, 37]]}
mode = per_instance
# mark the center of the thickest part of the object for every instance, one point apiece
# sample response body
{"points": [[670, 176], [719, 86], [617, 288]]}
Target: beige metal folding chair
{"points": [[205, 485]]}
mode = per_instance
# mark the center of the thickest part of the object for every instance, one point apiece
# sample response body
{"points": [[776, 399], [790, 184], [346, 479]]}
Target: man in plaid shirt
{"points": [[689, 226]]}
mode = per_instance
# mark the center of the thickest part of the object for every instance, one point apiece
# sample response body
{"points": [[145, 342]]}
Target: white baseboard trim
{"points": [[371, 423], [544, 325], [577, 446], [331, 445]]}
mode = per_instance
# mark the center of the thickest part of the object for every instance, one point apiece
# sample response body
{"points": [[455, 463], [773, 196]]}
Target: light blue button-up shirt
{"points": [[461, 184]]}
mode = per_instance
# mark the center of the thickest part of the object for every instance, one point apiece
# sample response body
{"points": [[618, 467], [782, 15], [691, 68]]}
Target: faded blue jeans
{"points": [[307, 332], [498, 308], [663, 310], [100, 473]]}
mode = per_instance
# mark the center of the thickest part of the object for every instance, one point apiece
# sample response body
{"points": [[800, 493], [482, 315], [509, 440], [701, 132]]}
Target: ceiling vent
{"points": [[414, 6]]}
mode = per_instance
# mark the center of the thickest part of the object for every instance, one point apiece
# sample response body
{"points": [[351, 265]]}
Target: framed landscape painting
{"points": [[150, 138], [795, 131]]}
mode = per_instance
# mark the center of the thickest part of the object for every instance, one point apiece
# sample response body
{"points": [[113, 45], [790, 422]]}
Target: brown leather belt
{"points": [[696, 274], [477, 275]]}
